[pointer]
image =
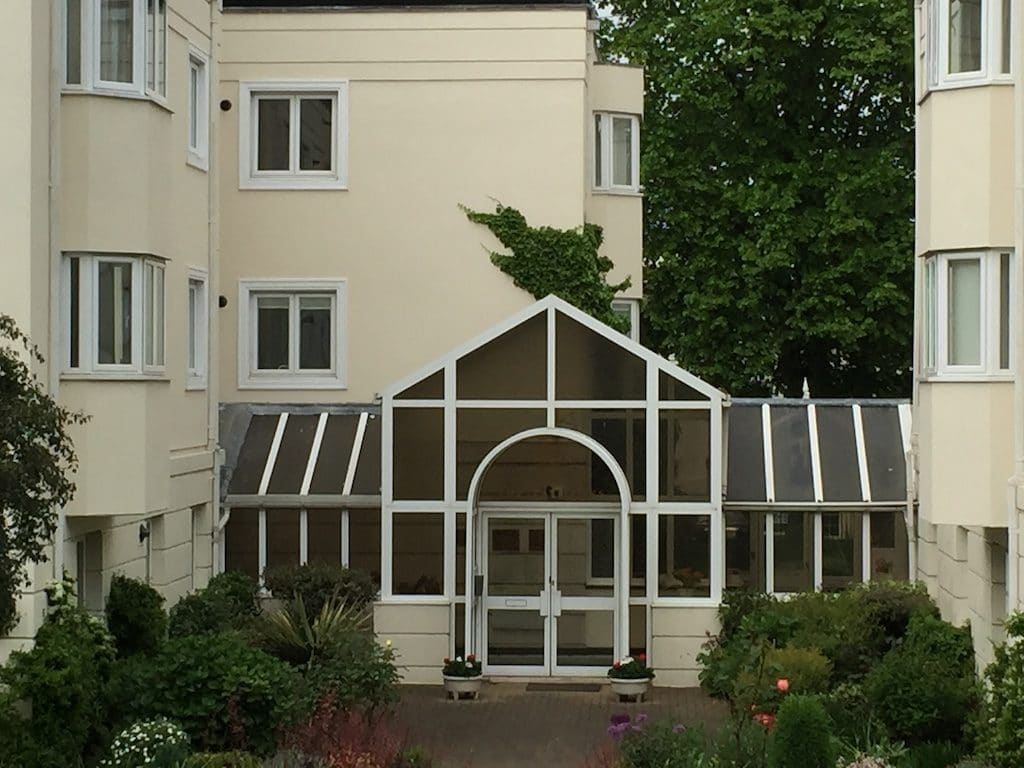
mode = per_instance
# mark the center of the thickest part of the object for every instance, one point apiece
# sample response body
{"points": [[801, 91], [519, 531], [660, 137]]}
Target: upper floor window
{"points": [[294, 135], [116, 46], [198, 332], [967, 41], [629, 309], [114, 313], [968, 314], [198, 106], [616, 152], [291, 334]]}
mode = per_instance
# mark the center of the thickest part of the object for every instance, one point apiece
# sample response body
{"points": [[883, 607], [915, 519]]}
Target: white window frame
{"points": [[632, 307], [90, 79], [604, 144], [937, 74], [935, 339], [251, 378], [248, 145], [88, 321], [199, 325], [198, 109], [154, 295]]}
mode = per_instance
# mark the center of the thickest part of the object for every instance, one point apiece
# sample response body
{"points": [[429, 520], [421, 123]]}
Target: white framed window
{"points": [[197, 331], [116, 46], [293, 135], [198, 105], [630, 309], [967, 41], [968, 314], [113, 314], [616, 152], [291, 334]]}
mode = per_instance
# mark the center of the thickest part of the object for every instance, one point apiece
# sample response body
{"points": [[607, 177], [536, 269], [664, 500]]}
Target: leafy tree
{"points": [[777, 158], [36, 460]]}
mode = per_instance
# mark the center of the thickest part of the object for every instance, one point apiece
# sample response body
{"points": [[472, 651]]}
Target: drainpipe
{"points": [[1012, 568], [213, 290], [54, 366]]}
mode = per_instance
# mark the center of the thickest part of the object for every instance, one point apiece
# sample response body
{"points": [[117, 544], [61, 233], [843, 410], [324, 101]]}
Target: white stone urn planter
{"points": [[462, 687], [630, 689]]}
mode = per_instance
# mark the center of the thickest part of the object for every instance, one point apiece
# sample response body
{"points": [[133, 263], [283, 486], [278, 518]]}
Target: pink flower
{"points": [[782, 684], [617, 664]]}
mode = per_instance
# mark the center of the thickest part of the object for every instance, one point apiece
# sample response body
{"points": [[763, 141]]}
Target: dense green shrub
{"points": [[941, 754], [227, 602], [802, 735], [805, 669], [357, 673], [664, 745], [61, 678], [157, 743], [223, 760], [925, 688], [135, 616], [298, 637], [737, 604], [1000, 733], [225, 694], [316, 582]]}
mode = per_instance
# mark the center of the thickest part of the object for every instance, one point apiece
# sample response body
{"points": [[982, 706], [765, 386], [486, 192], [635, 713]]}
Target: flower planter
{"points": [[630, 689], [462, 687]]}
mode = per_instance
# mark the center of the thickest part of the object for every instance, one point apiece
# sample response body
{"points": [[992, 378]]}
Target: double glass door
{"points": [[549, 594]]}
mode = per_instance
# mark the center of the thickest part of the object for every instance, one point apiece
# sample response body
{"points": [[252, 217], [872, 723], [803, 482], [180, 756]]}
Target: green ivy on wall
{"points": [[564, 262]]}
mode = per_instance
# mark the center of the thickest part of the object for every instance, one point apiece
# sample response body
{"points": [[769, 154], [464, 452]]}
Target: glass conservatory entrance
{"points": [[550, 598]]}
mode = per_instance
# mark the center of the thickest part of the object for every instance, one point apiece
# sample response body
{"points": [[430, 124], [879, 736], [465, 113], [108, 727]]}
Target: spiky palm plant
{"points": [[290, 635]]}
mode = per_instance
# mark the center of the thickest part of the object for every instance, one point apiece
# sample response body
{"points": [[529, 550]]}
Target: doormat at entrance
{"points": [[563, 688]]}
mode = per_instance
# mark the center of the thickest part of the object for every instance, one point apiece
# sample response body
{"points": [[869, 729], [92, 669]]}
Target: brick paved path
{"points": [[512, 728]]}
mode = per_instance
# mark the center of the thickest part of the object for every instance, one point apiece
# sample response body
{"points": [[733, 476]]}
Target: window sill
{"points": [[128, 95], [959, 85], [293, 183], [618, 192], [967, 378], [295, 383], [105, 376], [199, 162], [196, 386]]}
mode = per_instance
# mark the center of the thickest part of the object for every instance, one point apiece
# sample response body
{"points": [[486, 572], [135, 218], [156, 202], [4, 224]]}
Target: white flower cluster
{"points": [[139, 745]]}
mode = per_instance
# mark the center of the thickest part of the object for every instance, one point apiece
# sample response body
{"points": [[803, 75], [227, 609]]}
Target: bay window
{"points": [[967, 41], [616, 152], [114, 314]]}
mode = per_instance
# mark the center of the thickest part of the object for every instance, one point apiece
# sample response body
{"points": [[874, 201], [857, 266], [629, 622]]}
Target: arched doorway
{"points": [[546, 556]]}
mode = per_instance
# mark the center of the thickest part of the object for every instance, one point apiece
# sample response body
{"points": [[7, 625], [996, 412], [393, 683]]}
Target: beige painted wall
{"points": [[965, 449], [445, 108]]}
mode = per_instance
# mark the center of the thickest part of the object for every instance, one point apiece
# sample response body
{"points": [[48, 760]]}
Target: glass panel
{"points": [[460, 552], [622, 151], [889, 551], [837, 445], [315, 134], [744, 551], [479, 430], [586, 557], [516, 560], [418, 466], [364, 541], [116, 46], [1004, 311], [965, 20], [515, 638], [671, 388], [591, 367], [1007, 30], [930, 298], [598, 152], [74, 317], [282, 537], [194, 289], [293, 453], [335, 451], [73, 34], [459, 609], [602, 548], [242, 542], [418, 554], [623, 433], [274, 128], [544, 469], [638, 555], [149, 315], [323, 527], [193, 106], [883, 444], [156, 20], [367, 478], [315, 333], [746, 480], [156, 309], [252, 458], [637, 629], [114, 311], [586, 639], [791, 454], [965, 312], [684, 556], [794, 544], [272, 333], [842, 541], [684, 472], [430, 388], [511, 367]]}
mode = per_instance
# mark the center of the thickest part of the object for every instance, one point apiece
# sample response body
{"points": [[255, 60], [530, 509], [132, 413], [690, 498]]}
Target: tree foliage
{"points": [[777, 159], [36, 460]]}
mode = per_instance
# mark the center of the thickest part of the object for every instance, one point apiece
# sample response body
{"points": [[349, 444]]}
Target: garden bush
{"points": [[357, 673], [225, 694], [223, 760], [806, 669], [644, 744], [157, 743], [924, 689], [298, 637], [135, 616], [340, 739], [227, 602], [315, 583], [941, 754], [1000, 733], [802, 735], [61, 678]]}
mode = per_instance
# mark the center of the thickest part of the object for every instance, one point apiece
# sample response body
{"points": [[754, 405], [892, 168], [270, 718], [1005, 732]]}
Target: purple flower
{"points": [[641, 718], [619, 719], [618, 730], [678, 728]]}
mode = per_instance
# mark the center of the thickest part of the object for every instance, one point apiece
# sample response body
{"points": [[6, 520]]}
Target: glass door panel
{"points": [[515, 638]]}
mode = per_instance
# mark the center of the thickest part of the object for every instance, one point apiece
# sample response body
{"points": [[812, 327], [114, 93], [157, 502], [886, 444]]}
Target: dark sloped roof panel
{"points": [[252, 457], [335, 450], [746, 454], [791, 454], [883, 443], [293, 454], [837, 447], [367, 479]]}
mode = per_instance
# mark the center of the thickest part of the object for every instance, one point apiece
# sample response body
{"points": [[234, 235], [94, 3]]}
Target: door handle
{"points": [[556, 602], [545, 603]]}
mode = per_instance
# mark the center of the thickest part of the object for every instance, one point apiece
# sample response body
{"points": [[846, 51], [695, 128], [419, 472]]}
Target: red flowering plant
{"points": [[631, 668], [459, 667]]}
